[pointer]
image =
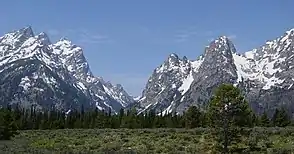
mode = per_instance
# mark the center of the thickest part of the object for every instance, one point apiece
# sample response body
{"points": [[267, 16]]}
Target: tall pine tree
{"points": [[281, 118], [192, 117], [264, 120], [228, 110]]}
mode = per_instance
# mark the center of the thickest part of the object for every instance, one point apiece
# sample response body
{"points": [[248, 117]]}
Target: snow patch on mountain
{"points": [[270, 65], [82, 86], [137, 98], [62, 58], [25, 83], [186, 83], [262, 64]]}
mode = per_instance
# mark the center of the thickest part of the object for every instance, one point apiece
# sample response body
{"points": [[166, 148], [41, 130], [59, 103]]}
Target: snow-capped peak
{"points": [[65, 47], [173, 59], [67, 61], [223, 38], [43, 37], [13, 40], [223, 44], [267, 63], [64, 39], [173, 55], [289, 32], [26, 31], [264, 74]]}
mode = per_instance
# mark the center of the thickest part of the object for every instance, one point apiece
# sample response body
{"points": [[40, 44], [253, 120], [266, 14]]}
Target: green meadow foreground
{"points": [[259, 140]]}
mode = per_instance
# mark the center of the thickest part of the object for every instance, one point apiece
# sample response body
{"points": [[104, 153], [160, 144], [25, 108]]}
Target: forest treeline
{"points": [[22, 119], [16, 118]]}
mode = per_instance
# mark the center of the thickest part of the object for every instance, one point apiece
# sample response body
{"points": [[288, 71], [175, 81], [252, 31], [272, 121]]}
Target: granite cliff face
{"points": [[34, 71], [264, 74]]}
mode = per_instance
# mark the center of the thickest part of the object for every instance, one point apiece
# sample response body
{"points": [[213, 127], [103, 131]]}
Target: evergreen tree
{"points": [[228, 110], [170, 121], [204, 119], [121, 115], [18, 115], [280, 118], [131, 119], [192, 117], [264, 120], [255, 120], [7, 124]]}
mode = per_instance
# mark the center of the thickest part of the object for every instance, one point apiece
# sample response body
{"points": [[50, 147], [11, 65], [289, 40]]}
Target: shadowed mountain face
{"points": [[34, 71], [264, 74]]}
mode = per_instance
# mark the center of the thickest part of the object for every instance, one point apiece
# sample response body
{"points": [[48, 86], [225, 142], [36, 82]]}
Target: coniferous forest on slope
{"points": [[228, 125]]}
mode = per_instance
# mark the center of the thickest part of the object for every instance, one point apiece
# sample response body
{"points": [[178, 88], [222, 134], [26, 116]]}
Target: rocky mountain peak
{"points": [[173, 59], [174, 64], [219, 54], [290, 31], [119, 87], [221, 46], [63, 42], [13, 40], [26, 32], [44, 39], [58, 74], [173, 56], [73, 58], [185, 59], [22, 34], [264, 74], [65, 47], [287, 39], [64, 39]]}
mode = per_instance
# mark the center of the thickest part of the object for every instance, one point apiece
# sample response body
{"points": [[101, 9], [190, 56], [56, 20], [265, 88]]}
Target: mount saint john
{"points": [[34, 71]]}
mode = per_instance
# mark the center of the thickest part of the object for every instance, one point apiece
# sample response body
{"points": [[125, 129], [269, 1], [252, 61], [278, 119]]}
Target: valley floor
{"points": [[260, 140]]}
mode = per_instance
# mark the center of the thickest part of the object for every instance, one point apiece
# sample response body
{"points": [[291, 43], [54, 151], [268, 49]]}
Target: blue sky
{"points": [[124, 40]]}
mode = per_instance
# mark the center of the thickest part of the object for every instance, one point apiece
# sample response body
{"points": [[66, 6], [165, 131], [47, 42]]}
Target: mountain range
{"points": [[265, 75], [35, 71]]}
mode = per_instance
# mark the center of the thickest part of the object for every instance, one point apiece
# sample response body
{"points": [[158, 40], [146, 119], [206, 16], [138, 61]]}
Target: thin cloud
{"points": [[232, 37], [181, 37], [208, 33], [211, 39], [191, 32], [86, 36], [185, 35], [81, 35], [53, 32], [94, 38]]}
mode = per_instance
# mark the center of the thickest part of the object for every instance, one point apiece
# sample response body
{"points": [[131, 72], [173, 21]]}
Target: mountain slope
{"points": [[264, 74], [35, 71], [168, 82], [103, 93]]}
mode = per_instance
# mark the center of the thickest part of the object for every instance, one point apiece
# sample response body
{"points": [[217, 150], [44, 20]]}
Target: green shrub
{"points": [[255, 140]]}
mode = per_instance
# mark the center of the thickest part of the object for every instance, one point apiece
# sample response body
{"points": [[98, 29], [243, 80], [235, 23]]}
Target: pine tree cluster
{"points": [[228, 107], [21, 119]]}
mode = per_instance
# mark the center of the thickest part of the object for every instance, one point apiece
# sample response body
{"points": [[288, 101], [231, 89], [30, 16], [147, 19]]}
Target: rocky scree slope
{"points": [[34, 71], [265, 75]]}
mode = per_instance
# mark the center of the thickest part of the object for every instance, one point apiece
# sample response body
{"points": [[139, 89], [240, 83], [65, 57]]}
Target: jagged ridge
{"points": [[60, 67], [264, 74]]}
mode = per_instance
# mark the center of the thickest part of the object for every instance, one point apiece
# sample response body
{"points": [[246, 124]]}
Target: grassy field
{"points": [[260, 140]]}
